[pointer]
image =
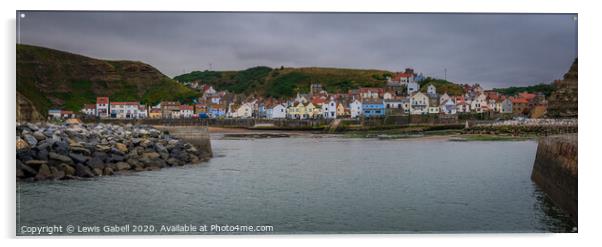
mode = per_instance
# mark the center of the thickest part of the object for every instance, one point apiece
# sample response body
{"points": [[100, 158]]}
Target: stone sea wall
{"points": [[70, 151], [555, 171]]}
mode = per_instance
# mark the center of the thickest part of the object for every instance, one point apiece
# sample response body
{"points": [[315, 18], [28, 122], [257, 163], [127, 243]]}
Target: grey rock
{"points": [[27, 170], [96, 162], [56, 173], [39, 135], [32, 141], [67, 169], [60, 157], [83, 171], [35, 164], [122, 166], [42, 154], [43, 172], [79, 158], [61, 147]]}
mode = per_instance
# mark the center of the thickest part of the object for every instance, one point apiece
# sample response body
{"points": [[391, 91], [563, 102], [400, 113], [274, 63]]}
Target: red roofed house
{"points": [[520, 106], [102, 107], [186, 111], [89, 109], [67, 114]]}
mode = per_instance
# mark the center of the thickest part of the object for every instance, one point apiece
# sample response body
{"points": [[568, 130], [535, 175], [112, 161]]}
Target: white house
{"points": [[54, 113], [124, 110], [102, 107], [355, 107], [479, 103], [142, 111], [277, 112], [329, 110], [387, 95], [412, 87], [186, 111], [444, 98], [431, 90], [244, 111], [419, 104], [89, 109], [448, 107]]}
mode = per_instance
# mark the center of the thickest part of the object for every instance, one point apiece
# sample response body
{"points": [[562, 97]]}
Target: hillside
{"points": [[543, 88], [51, 78], [442, 86], [286, 82]]}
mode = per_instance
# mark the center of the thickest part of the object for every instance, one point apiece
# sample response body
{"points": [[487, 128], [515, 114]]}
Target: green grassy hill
{"points": [[442, 86], [286, 82], [547, 89], [51, 78]]}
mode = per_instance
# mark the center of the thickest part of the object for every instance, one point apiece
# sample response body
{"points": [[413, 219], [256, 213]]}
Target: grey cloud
{"points": [[492, 49]]}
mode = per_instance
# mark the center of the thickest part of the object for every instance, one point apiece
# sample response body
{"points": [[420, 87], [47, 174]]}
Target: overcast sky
{"points": [[494, 50]]}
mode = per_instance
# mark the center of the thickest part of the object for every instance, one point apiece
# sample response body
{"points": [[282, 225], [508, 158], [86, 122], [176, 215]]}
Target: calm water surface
{"points": [[317, 185]]}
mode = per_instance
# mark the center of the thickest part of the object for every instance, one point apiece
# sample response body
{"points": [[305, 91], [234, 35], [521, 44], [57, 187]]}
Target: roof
{"points": [[102, 100], [125, 103], [520, 100], [372, 101], [89, 106], [527, 96], [186, 107], [371, 89], [400, 75]]}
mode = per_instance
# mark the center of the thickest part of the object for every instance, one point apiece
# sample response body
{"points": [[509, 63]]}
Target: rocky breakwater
{"points": [[72, 151]]}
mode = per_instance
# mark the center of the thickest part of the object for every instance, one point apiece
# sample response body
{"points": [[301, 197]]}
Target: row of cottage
{"points": [[362, 102]]}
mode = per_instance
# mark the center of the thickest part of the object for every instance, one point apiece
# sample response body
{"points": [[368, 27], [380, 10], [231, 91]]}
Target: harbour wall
{"points": [[555, 171]]}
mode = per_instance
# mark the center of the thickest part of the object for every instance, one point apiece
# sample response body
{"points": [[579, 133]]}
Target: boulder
{"points": [[39, 136], [61, 147], [27, 170], [96, 162], [80, 150], [78, 157], [56, 173], [83, 171], [122, 166], [21, 144], [173, 162], [103, 148], [121, 147], [160, 148], [115, 158], [108, 171], [44, 172], [42, 154], [164, 155], [32, 141], [145, 143], [69, 171], [35, 164], [151, 155], [97, 171], [25, 154], [60, 157]]}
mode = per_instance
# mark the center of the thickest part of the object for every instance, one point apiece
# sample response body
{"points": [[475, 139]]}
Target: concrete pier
{"points": [[196, 135]]}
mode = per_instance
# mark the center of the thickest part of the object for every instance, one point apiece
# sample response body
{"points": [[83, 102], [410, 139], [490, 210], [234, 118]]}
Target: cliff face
{"points": [[563, 101], [26, 111], [51, 78]]}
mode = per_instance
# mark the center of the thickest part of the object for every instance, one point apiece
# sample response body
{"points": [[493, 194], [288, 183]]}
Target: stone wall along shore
{"points": [[72, 151]]}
